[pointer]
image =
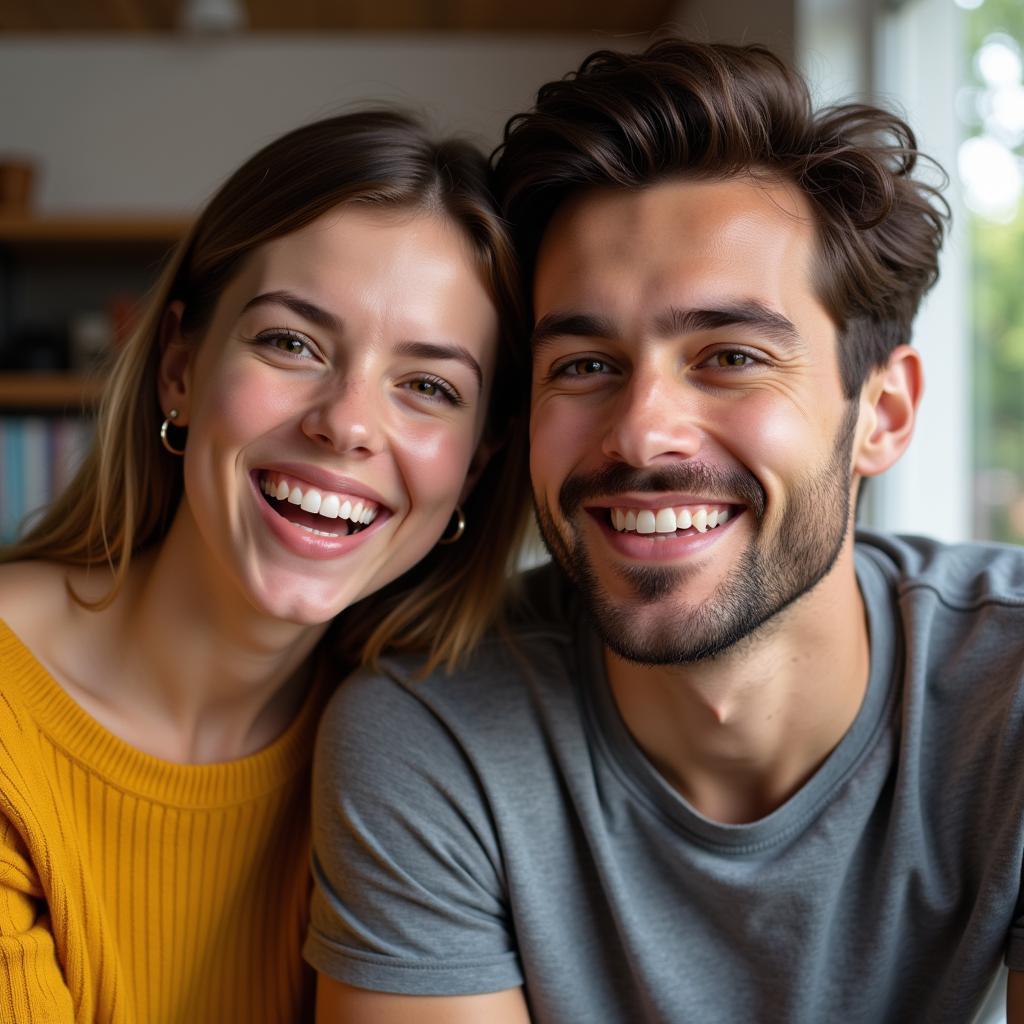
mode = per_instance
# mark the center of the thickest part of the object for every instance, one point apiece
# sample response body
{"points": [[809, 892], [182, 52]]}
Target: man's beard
{"points": [[770, 575]]}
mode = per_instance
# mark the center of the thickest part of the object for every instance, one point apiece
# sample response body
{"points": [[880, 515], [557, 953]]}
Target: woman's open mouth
{"points": [[322, 513]]}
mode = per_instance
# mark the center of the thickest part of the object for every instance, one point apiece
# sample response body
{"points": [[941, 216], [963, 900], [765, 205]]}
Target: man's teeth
{"points": [[326, 504], [667, 520]]}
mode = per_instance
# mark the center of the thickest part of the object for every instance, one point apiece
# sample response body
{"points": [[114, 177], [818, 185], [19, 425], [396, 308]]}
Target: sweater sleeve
{"points": [[32, 986]]}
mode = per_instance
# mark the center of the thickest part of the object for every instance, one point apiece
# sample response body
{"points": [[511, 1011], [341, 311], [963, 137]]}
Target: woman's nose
{"points": [[346, 419]]}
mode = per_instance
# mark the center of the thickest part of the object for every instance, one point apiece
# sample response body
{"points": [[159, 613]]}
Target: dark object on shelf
{"points": [[35, 349], [17, 178]]}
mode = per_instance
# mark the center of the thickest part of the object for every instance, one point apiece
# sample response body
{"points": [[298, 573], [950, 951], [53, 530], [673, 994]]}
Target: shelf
{"points": [[92, 229], [49, 392]]}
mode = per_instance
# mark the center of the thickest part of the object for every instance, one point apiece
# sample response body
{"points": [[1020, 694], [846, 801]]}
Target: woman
{"points": [[323, 394]]}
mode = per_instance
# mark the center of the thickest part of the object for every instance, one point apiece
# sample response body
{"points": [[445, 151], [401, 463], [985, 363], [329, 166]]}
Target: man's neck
{"points": [[739, 734]]}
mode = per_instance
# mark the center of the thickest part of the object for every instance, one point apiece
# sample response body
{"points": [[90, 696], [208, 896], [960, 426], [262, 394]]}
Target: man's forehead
{"points": [[678, 243], [682, 257], [706, 213]]}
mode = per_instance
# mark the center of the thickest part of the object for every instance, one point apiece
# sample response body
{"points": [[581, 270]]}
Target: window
{"points": [[990, 108], [954, 67]]}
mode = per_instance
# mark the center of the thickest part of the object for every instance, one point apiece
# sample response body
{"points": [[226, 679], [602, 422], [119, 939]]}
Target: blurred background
{"points": [[119, 117]]}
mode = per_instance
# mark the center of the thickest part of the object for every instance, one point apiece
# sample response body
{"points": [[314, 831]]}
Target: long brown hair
{"points": [[128, 489], [695, 110]]}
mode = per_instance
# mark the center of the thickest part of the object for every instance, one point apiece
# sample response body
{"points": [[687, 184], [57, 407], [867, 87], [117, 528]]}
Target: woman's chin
{"points": [[299, 603]]}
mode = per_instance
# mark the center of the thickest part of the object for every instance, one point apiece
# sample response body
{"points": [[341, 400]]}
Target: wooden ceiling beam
{"points": [[613, 16]]}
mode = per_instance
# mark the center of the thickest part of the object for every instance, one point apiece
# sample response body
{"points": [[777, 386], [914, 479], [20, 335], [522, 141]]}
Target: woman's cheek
{"points": [[436, 459]]}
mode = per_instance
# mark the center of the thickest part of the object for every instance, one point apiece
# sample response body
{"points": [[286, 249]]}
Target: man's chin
{"points": [[653, 631]]}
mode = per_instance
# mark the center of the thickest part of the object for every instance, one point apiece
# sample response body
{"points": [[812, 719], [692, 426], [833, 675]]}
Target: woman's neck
{"points": [[180, 664]]}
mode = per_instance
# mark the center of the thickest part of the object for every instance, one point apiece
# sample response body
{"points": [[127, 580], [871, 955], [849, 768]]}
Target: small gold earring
{"points": [[171, 417], [460, 527]]}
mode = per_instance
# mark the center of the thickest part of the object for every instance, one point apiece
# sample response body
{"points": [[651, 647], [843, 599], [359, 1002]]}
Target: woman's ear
{"points": [[889, 400], [175, 364]]}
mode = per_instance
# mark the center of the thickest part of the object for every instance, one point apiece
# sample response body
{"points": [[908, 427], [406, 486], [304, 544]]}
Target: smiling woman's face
{"points": [[333, 407]]}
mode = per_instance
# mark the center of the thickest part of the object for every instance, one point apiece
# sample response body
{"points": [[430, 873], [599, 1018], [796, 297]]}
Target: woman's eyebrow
{"points": [[441, 350], [302, 307], [328, 321]]}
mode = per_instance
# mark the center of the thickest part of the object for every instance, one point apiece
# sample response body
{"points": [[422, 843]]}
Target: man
{"points": [[731, 765]]}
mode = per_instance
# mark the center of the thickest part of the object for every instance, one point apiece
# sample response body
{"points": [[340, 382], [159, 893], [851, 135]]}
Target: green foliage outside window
{"points": [[997, 284]]}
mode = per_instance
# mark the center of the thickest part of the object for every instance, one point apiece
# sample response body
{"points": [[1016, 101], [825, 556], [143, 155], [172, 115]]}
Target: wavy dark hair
{"points": [[712, 111]]}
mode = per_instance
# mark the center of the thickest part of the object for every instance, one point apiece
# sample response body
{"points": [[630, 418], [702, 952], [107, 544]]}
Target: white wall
{"points": [[929, 491], [155, 123], [770, 22], [834, 48]]}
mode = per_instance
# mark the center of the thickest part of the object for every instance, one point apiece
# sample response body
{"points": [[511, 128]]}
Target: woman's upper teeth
{"points": [[328, 504], [667, 520]]}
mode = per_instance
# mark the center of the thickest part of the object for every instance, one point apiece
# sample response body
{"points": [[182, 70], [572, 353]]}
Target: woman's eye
{"points": [[435, 389], [290, 344]]}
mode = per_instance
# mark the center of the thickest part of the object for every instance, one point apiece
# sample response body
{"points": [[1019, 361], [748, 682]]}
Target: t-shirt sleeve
{"points": [[409, 887], [32, 986]]}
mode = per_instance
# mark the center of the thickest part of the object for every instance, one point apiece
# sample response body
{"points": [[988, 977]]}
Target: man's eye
{"points": [[584, 367], [732, 359]]}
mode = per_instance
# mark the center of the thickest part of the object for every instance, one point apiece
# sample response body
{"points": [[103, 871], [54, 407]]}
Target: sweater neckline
{"points": [[71, 728]]}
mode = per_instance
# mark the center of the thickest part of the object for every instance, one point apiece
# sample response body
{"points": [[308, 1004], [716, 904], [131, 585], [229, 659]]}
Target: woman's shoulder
{"points": [[34, 598], [40, 603]]}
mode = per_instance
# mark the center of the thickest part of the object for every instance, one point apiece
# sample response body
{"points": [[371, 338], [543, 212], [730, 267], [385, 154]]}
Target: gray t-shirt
{"points": [[500, 827]]}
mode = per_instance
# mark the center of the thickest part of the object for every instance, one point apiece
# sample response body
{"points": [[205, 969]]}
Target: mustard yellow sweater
{"points": [[139, 891]]}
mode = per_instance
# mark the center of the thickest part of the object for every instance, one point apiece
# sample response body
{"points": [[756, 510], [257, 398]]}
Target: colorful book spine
{"points": [[38, 458]]}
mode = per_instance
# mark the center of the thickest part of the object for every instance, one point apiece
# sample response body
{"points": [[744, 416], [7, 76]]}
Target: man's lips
{"points": [[677, 485], [662, 514]]}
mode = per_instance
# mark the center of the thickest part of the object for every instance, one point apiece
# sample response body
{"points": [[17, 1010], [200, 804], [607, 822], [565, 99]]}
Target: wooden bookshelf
{"points": [[54, 263], [55, 269], [49, 392], [72, 229]]}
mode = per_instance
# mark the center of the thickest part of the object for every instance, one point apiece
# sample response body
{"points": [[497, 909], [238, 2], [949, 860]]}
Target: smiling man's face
{"points": [[691, 444]]}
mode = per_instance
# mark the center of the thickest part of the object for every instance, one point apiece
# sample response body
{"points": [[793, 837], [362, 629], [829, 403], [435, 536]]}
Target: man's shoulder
{"points": [[501, 694], [534, 647], [962, 576], [961, 613]]}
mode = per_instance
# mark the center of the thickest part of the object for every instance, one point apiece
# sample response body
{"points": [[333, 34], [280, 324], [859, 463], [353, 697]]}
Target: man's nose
{"points": [[346, 418], [653, 420]]}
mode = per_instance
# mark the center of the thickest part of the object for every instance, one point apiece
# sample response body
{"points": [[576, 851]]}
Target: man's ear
{"points": [[888, 411], [173, 381]]}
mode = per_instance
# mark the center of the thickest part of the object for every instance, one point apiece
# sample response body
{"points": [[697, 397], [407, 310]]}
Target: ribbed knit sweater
{"points": [[139, 891]]}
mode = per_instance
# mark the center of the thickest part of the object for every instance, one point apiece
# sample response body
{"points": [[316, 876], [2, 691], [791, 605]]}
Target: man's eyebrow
{"points": [[570, 325], [675, 322], [302, 307], [441, 350]]}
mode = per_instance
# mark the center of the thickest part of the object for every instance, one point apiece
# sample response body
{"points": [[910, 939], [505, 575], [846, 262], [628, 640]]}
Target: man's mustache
{"points": [[732, 485]]}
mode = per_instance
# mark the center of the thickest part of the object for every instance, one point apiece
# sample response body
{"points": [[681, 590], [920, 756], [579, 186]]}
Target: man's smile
{"points": [[667, 520], [662, 531]]}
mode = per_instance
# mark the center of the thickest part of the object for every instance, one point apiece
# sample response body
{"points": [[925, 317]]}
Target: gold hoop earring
{"points": [[171, 417], [460, 527]]}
